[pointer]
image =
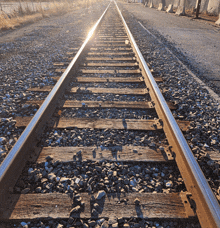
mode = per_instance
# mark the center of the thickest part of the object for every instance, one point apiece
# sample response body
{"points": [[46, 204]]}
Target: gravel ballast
{"points": [[194, 102], [27, 55]]}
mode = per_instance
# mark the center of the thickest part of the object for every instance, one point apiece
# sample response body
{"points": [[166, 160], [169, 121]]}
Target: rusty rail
{"points": [[207, 207]]}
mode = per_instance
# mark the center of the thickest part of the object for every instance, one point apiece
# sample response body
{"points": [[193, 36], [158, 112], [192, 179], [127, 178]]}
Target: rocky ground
{"points": [[194, 42], [27, 61], [27, 55], [194, 102], [102, 223]]}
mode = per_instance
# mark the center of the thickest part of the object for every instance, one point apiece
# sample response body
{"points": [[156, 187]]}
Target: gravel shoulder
{"points": [[196, 43], [195, 103], [26, 60]]}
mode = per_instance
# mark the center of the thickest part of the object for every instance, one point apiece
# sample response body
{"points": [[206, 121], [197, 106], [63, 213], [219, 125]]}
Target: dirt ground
{"points": [[196, 42]]}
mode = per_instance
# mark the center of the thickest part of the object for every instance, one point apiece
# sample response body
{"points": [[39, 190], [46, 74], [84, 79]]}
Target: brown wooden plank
{"points": [[105, 104], [56, 78], [71, 53], [112, 37], [113, 79], [110, 49], [41, 89], [121, 34], [60, 64], [110, 41], [110, 44], [110, 59], [130, 124], [108, 104], [213, 154], [110, 53], [109, 79], [111, 64], [111, 33], [183, 124], [112, 104], [116, 153], [58, 205], [60, 70], [84, 71], [127, 91]]}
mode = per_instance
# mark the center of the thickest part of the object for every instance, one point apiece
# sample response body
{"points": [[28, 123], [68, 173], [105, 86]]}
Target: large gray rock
{"points": [[181, 8], [176, 3], [151, 5], [213, 7], [161, 7], [218, 21], [170, 8], [100, 194], [204, 5], [180, 11]]}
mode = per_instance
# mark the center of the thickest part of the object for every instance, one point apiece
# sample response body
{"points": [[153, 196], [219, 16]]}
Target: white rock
{"points": [[23, 223], [206, 146], [170, 8], [63, 179], [161, 7], [218, 21], [2, 140], [51, 176], [77, 180], [100, 194], [1, 151], [30, 170], [57, 179], [133, 182], [169, 184], [100, 221]]}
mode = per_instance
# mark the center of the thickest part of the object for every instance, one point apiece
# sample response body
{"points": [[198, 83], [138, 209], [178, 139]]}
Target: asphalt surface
{"points": [[194, 42]]}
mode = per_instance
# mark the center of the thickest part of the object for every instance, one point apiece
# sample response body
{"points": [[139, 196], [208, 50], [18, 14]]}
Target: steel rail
{"points": [[19, 154], [207, 207]]}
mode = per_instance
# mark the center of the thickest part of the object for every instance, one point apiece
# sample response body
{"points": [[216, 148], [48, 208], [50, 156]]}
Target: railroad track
{"points": [[105, 98]]}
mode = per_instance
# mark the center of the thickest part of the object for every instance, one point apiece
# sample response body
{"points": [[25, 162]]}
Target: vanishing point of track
{"points": [[108, 59]]}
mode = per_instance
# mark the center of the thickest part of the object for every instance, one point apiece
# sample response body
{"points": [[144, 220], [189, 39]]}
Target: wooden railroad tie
{"points": [[58, 205], [120, 124], [105, 104]]}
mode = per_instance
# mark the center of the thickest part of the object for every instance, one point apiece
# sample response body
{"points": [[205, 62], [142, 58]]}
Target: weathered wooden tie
{"points": [[92, 123], [58, 205], [105, 104], [94, 153]]}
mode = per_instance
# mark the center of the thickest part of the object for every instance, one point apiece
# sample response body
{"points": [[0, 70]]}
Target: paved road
{"points": [[194, 42]]}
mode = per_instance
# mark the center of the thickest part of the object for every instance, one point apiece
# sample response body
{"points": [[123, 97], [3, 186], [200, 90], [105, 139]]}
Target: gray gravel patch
{"points": [[110, 113], [104, 223], [93, 177], [106, 97], [194, 102], [106, 138], [27, 57], [109, 85]]}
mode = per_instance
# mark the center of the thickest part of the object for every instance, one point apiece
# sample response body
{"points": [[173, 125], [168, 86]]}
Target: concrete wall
{"points": [[210, 6], [213, 7]]}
